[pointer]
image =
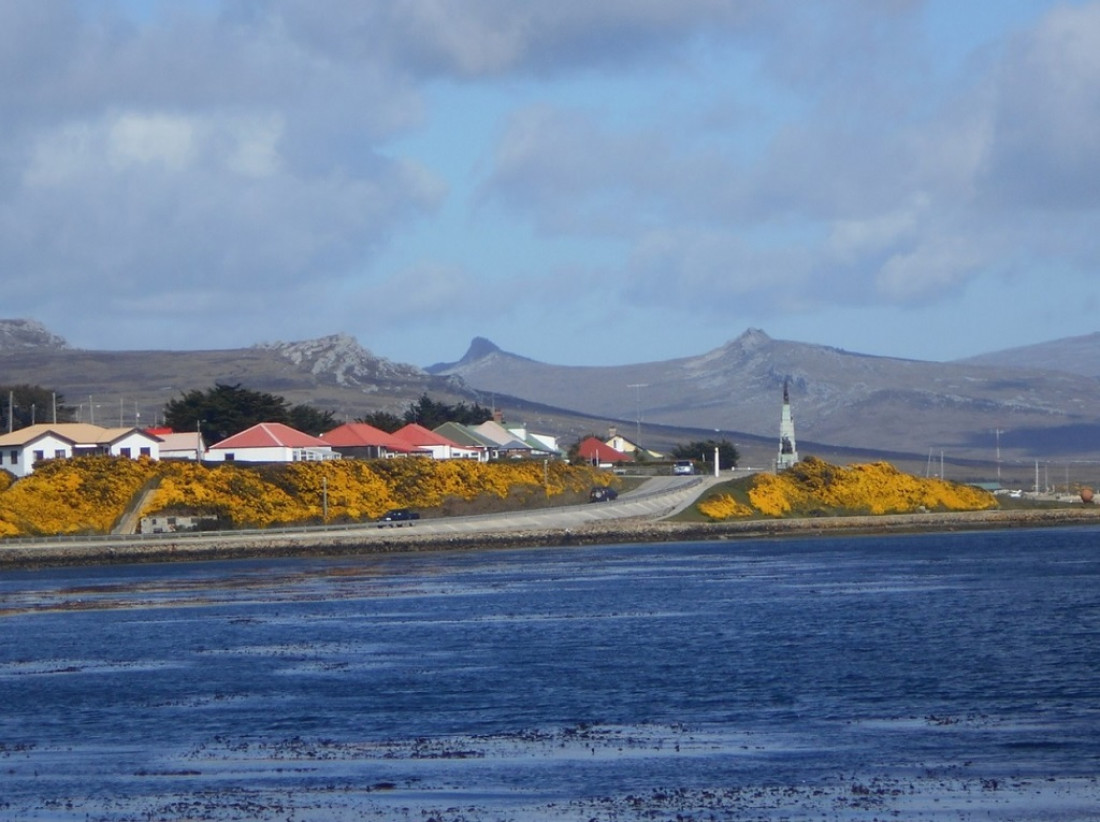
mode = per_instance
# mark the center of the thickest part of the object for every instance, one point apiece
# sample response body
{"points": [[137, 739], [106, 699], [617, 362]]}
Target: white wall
{"points": [[49, 445]]}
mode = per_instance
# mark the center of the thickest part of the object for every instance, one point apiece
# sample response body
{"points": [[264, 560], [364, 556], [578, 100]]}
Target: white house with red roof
{"points": [[20, 450], [438, 446], [270, 442], [363, 441]]}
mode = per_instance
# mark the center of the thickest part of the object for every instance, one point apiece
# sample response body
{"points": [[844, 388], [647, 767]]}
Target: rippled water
{"points": [[948, 676]]}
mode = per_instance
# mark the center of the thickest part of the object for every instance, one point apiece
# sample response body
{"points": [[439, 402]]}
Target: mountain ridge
{"points": [[850, 400]]}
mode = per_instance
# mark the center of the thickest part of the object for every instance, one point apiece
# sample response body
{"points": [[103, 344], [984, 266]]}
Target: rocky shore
{"points": [[326, 542]]}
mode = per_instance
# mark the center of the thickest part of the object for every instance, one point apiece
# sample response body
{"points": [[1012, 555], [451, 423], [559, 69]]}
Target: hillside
{"points": [[846, 405], [1074, 355], [333, 373], [841, 398]]}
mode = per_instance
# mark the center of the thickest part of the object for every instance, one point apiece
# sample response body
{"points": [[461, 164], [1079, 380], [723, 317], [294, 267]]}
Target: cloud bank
{"points": [[420, 172]]}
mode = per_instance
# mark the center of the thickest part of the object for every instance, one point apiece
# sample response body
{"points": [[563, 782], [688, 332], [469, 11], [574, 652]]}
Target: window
{"points": [[146, 452], [124, 452], [230, 456], [14, 457], [59, 454], [39, 455]]}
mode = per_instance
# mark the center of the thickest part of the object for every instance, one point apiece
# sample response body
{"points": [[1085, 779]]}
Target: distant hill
{"points": [[1074, 355], [844, 402], [841, 398], [333, 373]]}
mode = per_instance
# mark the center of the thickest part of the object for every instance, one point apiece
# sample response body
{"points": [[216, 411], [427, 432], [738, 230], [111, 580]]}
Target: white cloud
{"points": [[1046, 119], [705, 156], [139, 139]]}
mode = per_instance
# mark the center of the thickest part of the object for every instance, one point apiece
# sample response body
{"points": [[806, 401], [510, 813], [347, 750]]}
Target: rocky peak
{"points": [[341, 357], [479, 347], [750, 340], [22, 335]]}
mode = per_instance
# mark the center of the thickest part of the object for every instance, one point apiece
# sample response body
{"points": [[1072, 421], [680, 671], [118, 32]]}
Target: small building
{"points": [[507, 442], [433, 445], [179, 445], [628, 446], [467, 437], [20, 450], [600, 453], [360, 440], [271, 442]]}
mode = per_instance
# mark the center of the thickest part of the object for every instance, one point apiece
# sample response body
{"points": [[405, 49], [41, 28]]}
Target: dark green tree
{"points": [[224, 410], [382, 420], [27, 404], [433, 413], [703, 450], [311, 420]]}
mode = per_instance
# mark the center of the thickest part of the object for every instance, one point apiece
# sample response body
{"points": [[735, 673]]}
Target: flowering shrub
{"points": [[877, 488], [73, 496], [89, 494], [723, 506]]}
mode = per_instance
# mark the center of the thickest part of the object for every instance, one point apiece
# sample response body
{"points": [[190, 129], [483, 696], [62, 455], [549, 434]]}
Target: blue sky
{"points": [[582, 183]]}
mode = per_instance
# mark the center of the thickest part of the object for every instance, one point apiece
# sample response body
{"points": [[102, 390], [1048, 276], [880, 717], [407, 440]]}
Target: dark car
{"points": [[602, 494], [398, 516]]}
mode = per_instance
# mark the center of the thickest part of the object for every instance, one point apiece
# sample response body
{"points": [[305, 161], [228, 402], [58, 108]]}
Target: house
{"points": [[179, 445], [362, 441], [434, 445], [271, 442], [627, 446], [20, 450], [508, 444], [466, 436], [542, 445], [600, 453]]}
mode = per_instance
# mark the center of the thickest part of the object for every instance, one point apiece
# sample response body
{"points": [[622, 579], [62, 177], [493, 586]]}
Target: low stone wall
{"points": [[328, 543]]}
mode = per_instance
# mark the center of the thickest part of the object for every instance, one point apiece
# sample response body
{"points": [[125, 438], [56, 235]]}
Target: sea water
{"points": [[939, 676]]}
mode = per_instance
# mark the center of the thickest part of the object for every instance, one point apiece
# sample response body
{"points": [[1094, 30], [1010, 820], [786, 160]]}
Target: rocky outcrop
{"points": [[24, 335], [341, 358]]}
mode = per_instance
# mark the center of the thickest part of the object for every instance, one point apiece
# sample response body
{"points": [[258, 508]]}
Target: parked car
{"points": [[602, 493], [683, 467], [397, 516]]}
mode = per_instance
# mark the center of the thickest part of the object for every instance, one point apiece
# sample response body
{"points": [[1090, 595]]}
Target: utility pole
{"points": [[638, 386]]}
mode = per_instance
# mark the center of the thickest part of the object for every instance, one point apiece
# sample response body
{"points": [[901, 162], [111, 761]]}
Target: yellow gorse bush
{"points": [[723, 506], [875, 488], [73, 496], [89, 494]]}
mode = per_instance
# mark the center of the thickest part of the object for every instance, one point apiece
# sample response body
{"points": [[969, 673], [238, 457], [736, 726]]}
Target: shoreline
{"points": [[227, 545]]}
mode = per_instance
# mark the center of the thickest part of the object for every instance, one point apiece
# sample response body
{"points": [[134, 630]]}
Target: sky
{"points": [[583, 183]]}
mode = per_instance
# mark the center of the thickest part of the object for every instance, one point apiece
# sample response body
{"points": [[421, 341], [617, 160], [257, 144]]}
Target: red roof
{"points": [[593, 449], [360, 434], [420, 436], [271, 435]]}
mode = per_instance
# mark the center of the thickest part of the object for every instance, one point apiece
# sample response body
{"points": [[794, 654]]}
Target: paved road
{"points": [[657, 498]]}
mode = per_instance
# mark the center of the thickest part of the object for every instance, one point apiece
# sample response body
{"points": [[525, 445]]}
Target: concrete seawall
{"points": [[229, 545]]}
